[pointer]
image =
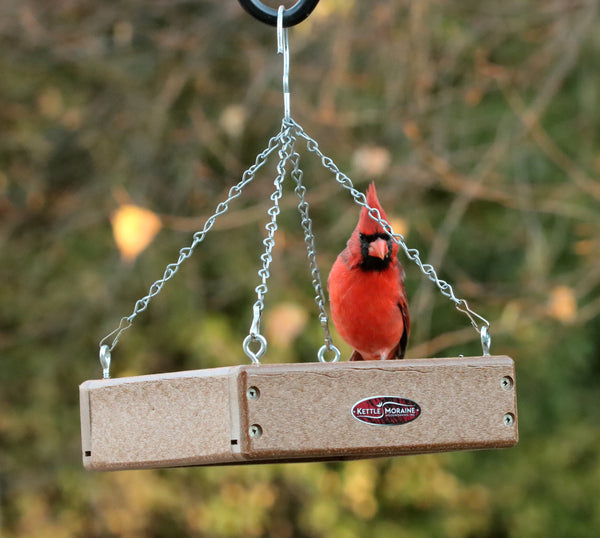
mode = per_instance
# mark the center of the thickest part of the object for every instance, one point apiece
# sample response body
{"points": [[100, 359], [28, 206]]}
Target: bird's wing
{"points": [[356, 356], [400, 349]]}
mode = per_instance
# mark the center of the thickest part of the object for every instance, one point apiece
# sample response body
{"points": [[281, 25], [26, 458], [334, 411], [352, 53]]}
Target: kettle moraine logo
{"points": [[385, 410]]}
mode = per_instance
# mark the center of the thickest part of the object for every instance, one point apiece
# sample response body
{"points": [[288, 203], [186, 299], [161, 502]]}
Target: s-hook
{"points": [[297, 13]]}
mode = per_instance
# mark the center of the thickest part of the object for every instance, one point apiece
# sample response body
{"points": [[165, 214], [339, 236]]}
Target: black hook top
{"points": [[297, 13]]}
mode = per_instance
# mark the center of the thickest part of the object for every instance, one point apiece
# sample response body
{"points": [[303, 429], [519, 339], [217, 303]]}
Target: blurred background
{"points": [[123, 125]]}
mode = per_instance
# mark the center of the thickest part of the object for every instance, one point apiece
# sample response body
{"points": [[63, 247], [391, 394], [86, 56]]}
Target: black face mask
{"points": [[373, 263]]}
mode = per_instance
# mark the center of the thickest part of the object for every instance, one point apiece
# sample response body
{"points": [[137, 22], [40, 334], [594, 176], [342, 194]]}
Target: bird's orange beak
{"points": [[378, 248]]}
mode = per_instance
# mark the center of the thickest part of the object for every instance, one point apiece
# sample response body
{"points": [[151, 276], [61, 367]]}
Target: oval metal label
{"points": [[386, 410]]}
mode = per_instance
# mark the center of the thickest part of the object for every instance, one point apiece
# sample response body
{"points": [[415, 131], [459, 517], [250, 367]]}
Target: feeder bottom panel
{"points": [[299, 412]]}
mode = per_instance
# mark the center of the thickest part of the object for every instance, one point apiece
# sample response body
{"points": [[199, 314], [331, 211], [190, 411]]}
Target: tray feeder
{"points": [[320, 411]]}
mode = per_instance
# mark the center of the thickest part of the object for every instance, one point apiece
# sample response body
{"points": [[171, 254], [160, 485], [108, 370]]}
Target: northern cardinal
{"points": [[366, 291]]}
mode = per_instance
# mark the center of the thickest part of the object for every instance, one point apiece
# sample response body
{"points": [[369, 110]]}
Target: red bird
{"points": [[366, 291]]}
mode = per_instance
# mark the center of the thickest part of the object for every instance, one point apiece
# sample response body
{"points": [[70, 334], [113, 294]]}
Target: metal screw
{"points": [[253, 393], [509, 419], [506, 383], [255, 431]]}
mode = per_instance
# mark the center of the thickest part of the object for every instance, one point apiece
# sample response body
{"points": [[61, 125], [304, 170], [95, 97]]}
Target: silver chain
{"points": [[480, 324], [309, 239], [285, 140], [184, 254], [288, 154], [269, 242]]}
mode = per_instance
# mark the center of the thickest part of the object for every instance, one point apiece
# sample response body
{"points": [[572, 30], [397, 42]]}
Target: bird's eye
{"points": [[369, 238]]}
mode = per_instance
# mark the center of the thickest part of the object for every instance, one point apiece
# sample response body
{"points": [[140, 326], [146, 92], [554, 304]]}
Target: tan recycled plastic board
{"points": [[298, 412]]}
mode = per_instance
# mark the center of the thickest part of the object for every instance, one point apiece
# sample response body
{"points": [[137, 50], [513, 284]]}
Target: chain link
{"points": [[184, 254], [287, 145], [309, 239], [285, 140], [480, 324]]}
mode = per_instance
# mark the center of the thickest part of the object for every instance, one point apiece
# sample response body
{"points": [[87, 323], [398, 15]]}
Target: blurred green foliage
{"points": [[479, 123]]}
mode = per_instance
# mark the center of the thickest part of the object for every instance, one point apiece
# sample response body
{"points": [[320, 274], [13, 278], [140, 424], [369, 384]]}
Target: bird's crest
{"points": [[366, 225]]}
